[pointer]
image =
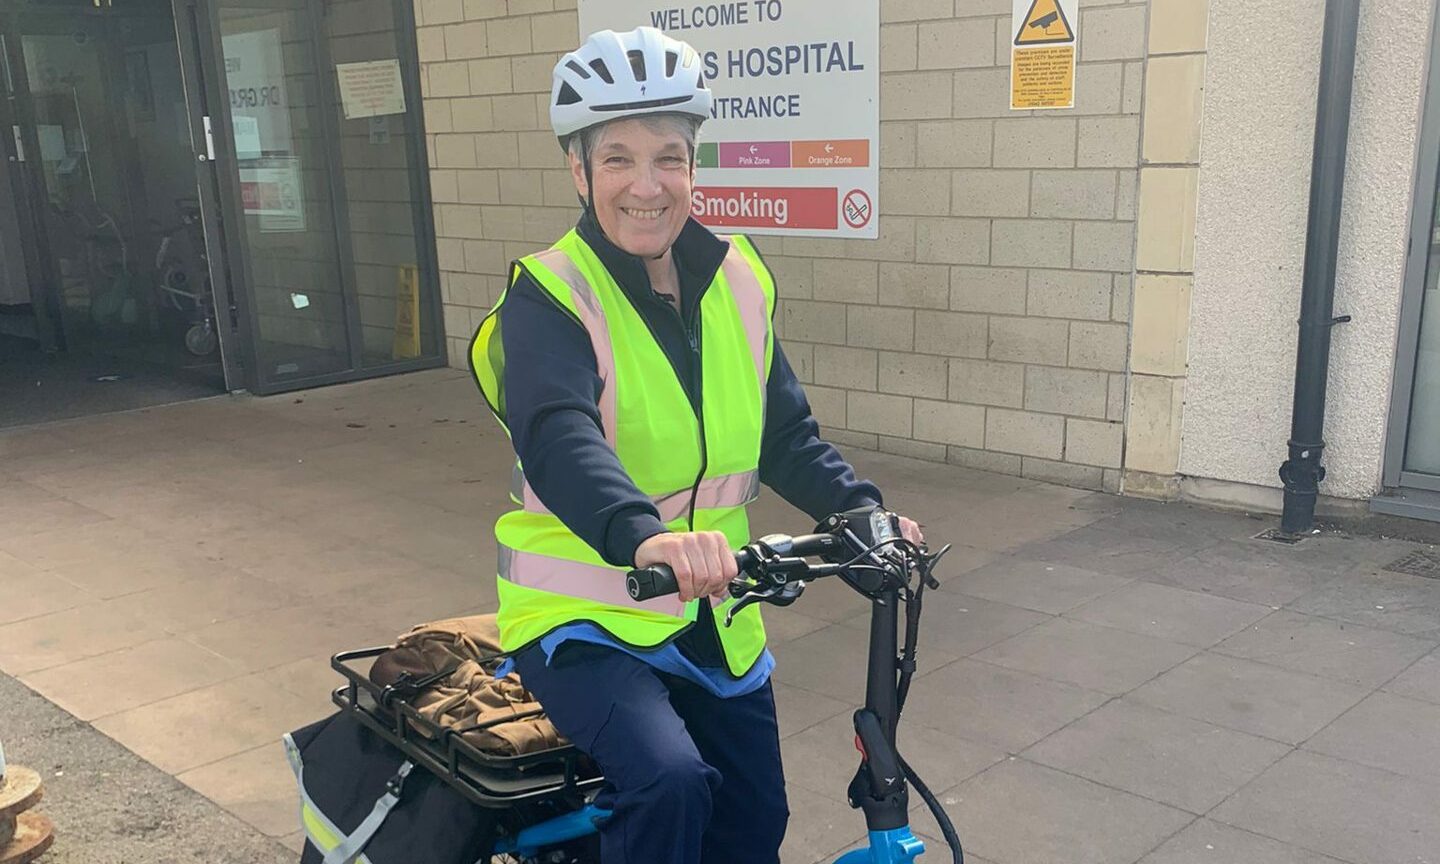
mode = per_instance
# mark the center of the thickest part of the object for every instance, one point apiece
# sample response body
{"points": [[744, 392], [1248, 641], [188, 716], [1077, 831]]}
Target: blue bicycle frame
{"points": [[899, 846]]}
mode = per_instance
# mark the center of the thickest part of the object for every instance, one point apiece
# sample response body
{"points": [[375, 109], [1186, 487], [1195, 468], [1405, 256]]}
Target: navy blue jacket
{"points": [[552, 390]]}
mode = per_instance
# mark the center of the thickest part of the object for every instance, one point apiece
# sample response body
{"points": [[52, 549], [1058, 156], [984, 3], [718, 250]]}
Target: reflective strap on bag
{"points": [[325, 834]]}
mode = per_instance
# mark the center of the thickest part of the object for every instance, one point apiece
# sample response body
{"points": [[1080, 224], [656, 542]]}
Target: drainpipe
{"points": [[1303, 472]]}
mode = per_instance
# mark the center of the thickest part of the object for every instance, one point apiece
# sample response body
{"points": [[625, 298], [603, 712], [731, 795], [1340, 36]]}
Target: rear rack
{"points": [[486, 779]]}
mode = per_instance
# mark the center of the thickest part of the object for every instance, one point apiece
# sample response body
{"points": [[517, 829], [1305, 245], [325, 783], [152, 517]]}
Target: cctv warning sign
{"points": [[1042, 55]]}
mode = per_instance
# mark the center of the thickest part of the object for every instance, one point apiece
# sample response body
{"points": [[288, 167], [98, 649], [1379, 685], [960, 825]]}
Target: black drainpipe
{"points": [[1303, 472]]}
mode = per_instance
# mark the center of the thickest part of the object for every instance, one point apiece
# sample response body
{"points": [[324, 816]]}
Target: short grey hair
{"points": [[589, 139]]}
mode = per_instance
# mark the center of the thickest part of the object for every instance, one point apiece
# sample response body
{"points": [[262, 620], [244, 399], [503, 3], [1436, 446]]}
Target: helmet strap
{"points": [[589, 197]]}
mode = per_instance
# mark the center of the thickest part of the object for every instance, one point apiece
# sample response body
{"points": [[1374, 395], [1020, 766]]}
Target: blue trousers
{"points": [[690, 778]]}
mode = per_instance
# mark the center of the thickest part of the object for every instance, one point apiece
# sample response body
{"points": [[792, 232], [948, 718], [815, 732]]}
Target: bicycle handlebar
{"points": [[778, 556]]}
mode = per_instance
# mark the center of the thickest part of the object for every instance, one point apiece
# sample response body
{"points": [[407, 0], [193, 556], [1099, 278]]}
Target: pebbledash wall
{"points": [[1259, 116]]}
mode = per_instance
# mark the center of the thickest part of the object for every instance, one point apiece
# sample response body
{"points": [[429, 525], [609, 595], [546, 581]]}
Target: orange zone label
{"points": [[830, 154]]}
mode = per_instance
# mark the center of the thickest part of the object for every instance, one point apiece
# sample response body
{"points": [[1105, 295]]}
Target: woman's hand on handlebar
{"points": [[702, 560], [910, 530]]}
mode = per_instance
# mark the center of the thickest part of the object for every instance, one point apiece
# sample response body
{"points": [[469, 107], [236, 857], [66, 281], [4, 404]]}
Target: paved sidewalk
{"points": [[1102, 680]]}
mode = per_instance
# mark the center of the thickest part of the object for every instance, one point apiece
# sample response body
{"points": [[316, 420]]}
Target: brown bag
{"points": [[455, 661]]}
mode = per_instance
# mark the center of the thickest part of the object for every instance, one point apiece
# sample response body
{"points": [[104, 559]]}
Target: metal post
{"points": [[1302, 472]]}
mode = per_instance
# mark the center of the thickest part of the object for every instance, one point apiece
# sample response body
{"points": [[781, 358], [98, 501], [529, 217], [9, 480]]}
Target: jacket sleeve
{"points": [[552, 392], [804, 469]]}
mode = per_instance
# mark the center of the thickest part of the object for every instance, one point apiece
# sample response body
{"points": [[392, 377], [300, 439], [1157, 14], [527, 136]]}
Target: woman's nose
{"points": [[646, 183]]}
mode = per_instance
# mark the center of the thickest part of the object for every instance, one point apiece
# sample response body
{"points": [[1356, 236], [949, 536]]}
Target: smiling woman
{"points": [[638, 180], [634, 367]]}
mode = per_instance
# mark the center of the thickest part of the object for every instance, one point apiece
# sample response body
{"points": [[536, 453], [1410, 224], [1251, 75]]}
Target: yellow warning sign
{"points": [[407, 313], [1043, 77], [1042, 60], [1045, 24]]}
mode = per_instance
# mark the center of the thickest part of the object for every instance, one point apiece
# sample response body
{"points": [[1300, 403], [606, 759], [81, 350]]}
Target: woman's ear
{"points": [[577, 173]]}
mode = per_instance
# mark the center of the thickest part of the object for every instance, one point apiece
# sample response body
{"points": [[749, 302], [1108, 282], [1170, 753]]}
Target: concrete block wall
{"points": [[987, 326], [498, 178]]}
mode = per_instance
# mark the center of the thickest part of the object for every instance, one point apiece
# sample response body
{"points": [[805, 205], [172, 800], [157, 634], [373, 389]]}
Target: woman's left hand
{"points": [[910, 530]]}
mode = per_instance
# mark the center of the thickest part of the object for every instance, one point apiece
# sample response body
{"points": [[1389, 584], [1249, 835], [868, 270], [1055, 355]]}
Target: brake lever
{"points": [[779, 596], [931, 559]]}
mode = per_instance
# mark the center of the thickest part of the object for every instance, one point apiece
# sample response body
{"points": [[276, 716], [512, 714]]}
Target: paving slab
{"points": [[1340, 808]]}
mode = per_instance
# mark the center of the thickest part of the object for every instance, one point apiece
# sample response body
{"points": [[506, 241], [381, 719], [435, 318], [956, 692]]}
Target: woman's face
{"points": [[643, 179]]}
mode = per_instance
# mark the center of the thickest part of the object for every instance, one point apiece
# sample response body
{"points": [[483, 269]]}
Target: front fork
{"points": [[899, 846], [879, 789]]}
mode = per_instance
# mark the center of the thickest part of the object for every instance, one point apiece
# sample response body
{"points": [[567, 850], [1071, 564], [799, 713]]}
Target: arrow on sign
{"points": [[753, 149], [829, 148]]}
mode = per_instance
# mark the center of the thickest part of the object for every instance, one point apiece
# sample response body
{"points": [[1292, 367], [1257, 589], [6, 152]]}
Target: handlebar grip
{"points": [[651, 582]]}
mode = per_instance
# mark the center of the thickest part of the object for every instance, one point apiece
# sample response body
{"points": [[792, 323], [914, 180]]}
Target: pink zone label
{"points": [[766, 207], [755, 154]]}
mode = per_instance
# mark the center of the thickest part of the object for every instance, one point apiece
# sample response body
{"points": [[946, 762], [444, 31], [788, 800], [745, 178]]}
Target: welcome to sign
{"points": [[793, 143]]}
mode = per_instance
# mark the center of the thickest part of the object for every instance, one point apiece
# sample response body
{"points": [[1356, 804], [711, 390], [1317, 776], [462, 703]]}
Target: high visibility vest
{"points": [[700, 469]]}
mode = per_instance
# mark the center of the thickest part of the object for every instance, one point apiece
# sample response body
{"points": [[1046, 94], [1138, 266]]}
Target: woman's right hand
{"points": [[702, 560]]}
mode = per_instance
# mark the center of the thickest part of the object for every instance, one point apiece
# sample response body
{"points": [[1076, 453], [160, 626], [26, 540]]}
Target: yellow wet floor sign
{"points": [[407, 313], [1042, 58]]}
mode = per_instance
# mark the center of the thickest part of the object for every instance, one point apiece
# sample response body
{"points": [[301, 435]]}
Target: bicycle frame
{"points": [[886, 805]]}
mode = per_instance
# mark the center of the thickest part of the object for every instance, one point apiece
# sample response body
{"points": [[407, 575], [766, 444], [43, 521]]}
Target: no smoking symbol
{"points": [[856, 208]]}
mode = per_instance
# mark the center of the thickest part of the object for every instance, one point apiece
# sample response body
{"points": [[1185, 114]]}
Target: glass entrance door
{"points": [[281, 161], [321, 137]]}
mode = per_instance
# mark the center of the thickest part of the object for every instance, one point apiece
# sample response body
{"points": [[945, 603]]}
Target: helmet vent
{"points": [[578, 69], [602, 70], [567, 96], [671, 58], [637, 64]]}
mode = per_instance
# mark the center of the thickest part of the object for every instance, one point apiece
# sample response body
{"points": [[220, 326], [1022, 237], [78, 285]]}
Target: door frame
{"points": [[222, 213], [1417, 262], [20, 146]]}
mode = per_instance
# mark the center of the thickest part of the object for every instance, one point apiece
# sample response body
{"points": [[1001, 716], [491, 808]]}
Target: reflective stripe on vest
{"points": [[730, 490], [593, 317]]}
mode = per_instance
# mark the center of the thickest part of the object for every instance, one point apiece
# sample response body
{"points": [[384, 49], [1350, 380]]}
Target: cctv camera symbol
{"points": [[1045, 22]]}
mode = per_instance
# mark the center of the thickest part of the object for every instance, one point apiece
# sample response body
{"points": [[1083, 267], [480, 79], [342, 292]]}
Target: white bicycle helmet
{"points": [[612, 76]]}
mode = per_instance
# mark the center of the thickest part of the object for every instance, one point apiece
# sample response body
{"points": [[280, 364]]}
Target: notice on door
{"points": [[255, 76], [274, 195], [371, 89], [1042, 54], [791, 147]]}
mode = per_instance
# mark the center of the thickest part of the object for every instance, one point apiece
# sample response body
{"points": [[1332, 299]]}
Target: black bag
{"points": [[362, 802]]}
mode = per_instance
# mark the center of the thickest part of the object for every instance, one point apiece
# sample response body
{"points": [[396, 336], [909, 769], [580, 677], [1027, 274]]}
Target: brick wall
{"points": [[987, 326]]}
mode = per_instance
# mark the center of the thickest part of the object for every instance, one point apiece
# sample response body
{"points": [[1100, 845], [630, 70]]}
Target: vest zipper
{"points": [[703, 611], [699, 412]]}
